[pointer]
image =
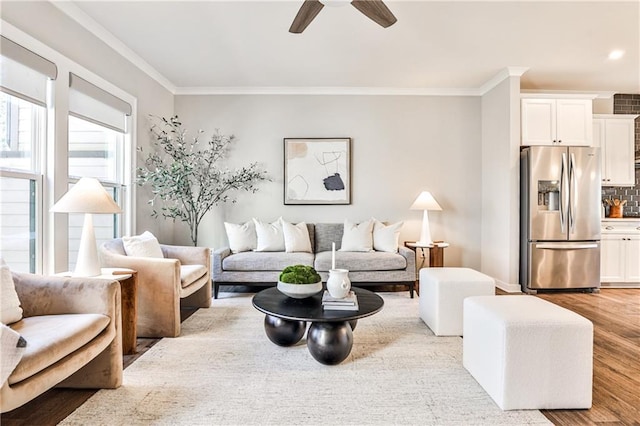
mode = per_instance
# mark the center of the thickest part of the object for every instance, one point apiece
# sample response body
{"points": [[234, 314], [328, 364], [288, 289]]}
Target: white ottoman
{"points": [[442, 291], [528, 353]]}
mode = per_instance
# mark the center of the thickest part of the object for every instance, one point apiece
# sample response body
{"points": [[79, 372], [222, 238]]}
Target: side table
{"points": [[128, 279], [436, 256]]}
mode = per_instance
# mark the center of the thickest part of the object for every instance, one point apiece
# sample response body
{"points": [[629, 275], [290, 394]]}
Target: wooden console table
{"points": [[436, 256]]}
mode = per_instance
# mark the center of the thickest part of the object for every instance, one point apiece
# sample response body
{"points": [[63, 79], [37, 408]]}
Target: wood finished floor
{"points": [[615, 314]]}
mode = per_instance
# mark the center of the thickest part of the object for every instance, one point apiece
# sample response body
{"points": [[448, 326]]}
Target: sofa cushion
{"points": [[327, 233], [10, 310], [144, 245], [386, 237], [190, 273], [270, 235], [360, 261], [52, 337], [242, 237], [265, 261], [296, 237], [357, 236]]}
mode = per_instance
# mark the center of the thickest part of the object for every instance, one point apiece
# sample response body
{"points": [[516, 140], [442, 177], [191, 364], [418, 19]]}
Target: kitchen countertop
{"points": [[622, 219]]}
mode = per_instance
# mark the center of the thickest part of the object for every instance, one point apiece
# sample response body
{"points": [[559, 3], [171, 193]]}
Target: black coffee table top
{"points": [[272, 302]]}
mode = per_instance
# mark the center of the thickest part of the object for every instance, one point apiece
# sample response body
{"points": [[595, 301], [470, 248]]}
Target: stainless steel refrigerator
{"points": [[560, 203]]}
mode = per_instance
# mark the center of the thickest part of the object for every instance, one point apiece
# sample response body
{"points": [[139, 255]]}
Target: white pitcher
{"points": [[338, 283]]}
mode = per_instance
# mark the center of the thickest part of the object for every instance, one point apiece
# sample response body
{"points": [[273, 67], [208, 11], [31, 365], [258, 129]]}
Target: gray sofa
{"points": [[371, 268]]}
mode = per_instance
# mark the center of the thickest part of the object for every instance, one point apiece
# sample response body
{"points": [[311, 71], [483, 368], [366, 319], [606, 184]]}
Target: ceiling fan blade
{"points": [[375, 10], [308, 11]]}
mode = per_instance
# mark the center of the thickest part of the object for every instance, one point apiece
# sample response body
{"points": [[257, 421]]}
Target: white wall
{"points": [[500, 183], [50, 26], [400, 147]]}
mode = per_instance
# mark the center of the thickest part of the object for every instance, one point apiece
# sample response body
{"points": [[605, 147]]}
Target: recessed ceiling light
{"points": [[616, 54]]}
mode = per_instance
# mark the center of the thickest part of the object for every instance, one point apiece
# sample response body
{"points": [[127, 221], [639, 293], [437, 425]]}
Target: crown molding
{"points": [[502, 75], [570, 93], [333, 91], [78, 15]]}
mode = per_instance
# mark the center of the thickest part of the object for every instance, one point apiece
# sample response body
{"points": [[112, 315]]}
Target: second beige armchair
{"points": [[182, 277]]}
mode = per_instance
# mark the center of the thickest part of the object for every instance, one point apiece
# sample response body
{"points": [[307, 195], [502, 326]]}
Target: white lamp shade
{"points": [[86, 196], [425, 201]]}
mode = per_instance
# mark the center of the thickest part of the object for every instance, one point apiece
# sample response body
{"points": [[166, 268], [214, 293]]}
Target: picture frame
{"points": [[317, 171]]}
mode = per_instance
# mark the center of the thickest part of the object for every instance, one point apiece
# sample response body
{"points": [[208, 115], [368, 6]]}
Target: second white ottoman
{"points": [[442, 291], [528, 353]]}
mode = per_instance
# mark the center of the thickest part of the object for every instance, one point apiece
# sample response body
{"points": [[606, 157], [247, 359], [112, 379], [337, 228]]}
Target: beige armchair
{"points": [[183, 277], [73, 335]]}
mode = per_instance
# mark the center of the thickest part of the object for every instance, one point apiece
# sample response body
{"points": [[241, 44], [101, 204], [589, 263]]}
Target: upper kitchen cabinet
{"points": [[556, 121], [615, 135]]}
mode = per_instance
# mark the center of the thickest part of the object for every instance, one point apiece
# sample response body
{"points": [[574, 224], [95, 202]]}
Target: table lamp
{"points": [[426, 202], [87, 196]]}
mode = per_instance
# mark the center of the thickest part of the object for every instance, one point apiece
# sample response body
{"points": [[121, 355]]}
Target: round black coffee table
{"points": [[330, 335]]}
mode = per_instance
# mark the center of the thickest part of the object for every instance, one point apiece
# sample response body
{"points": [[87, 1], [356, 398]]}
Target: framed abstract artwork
{"points": [[317, 171]]}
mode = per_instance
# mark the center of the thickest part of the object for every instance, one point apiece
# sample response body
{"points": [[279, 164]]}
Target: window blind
{"points": [[89, 102], [24, 73]]}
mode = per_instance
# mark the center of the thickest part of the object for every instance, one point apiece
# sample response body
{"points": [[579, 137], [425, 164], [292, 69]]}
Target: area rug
{"points": [[224, 370]]}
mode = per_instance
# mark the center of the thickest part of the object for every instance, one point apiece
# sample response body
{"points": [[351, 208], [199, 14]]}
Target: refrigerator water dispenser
{"points": [[548, 195]]}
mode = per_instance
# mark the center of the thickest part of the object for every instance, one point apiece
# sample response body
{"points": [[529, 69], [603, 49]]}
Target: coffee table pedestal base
{"points": [[330, 343], [284, 332]]}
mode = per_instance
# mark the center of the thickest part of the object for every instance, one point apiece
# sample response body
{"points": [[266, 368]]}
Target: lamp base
{"points": [[87, 264], [425, 234]]}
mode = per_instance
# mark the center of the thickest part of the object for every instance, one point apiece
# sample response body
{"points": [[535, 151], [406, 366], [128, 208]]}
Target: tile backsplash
{"points": [[628, 104]]}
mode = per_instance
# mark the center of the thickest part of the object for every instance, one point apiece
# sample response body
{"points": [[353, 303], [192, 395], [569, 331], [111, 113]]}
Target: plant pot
{"points": [[299, 291]]}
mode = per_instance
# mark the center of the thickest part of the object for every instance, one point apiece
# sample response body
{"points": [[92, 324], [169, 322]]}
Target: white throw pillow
{"points": [[242, 237], [10, 303], [144, 245], [386, 237], [296, 237], [270, 235], [357, 237]]}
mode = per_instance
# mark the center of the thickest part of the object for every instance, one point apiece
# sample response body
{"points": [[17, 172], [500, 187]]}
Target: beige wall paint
{"points": [[401, 146], [44, 22]]}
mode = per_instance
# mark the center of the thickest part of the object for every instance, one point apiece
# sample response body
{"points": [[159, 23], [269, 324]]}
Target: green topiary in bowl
{"points": [[299, 274], [299, 281]]}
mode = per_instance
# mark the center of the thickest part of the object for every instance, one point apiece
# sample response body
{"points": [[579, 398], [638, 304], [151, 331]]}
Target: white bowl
{"points": [[300, 291]]}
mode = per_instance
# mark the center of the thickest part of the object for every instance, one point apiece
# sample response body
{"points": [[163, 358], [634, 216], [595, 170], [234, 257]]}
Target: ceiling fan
{"points": [[375, 10]]}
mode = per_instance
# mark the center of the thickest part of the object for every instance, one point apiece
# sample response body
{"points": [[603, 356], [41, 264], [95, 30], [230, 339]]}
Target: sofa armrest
{"points": [[50, 295], [410, 255], [218, 257], [187, 255]]}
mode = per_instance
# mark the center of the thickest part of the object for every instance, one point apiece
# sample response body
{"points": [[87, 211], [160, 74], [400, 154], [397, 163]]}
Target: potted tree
{"points": [[299, 281], [189, 177]]}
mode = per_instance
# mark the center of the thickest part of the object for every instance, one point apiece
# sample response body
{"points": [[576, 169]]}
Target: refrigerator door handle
{"points": [[573, 191], [556, 246], [563, 195]]}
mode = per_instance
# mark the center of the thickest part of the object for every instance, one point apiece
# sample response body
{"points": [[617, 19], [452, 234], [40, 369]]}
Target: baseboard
{"points": [[509, 288]]}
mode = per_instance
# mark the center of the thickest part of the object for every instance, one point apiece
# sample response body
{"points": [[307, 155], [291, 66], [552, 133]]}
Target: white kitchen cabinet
{"points": [[548, 121], [612, 259], [620, 253], [633, 259], [615, 135]]}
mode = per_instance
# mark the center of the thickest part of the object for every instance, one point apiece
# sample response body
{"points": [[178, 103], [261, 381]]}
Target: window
{"points": [[23, 96], [96, 148], [98, 144]]}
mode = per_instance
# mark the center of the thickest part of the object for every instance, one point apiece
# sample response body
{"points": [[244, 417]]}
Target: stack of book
{"points": [[348, 303]]}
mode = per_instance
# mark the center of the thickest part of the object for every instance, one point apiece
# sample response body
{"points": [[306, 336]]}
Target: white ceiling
{"points": [[235, 46]]}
